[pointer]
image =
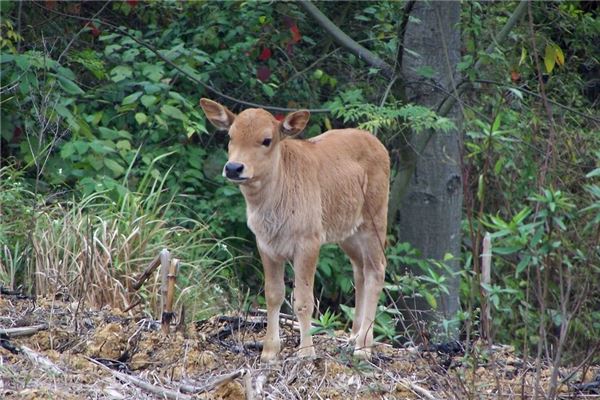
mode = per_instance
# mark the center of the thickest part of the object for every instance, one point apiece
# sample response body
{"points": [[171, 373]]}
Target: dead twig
{"points": [[154, 389], [149, 270]]}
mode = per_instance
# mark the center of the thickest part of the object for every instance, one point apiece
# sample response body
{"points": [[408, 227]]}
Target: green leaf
{"points": [[148, 100], [173, 112], [506, 250], [114, 166], [430, 300], [67, 150], [120, 73], [141, 118], [480, 188], [132, 98], [425, 71], [81, 146], [496, 123], [69, 86], [523, 264], [153, 72], [517, 93], [129, 55], [594, 173], [268, 90], [124, 145], [549, 58], [560, 57], [107, 133], [523, 56]]}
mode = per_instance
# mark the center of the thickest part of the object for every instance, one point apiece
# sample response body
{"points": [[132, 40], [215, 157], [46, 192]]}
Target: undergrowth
{"points": [[92, 248]]}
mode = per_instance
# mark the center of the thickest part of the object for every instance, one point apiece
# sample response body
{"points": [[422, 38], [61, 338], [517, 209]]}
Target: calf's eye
{"points": [[266, 142]]}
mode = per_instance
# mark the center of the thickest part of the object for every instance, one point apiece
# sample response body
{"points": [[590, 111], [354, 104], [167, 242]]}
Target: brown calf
{"points": [[301, 194]]}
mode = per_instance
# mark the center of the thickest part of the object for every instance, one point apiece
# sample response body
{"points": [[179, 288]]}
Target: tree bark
{"points": [[430, 208]]}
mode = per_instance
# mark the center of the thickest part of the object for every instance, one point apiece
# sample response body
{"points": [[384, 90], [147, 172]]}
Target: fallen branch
{"points": [[40, 360], [23, 330], [218, 381], [417, 389], [147, 386], [18, 293]]}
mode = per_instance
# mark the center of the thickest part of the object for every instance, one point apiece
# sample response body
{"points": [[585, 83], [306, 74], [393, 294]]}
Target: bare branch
{"points": [[346, 41]]}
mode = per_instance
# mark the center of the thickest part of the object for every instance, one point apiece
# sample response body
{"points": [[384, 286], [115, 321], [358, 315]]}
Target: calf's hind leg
{"points": [[352, 248], [373, 270]]}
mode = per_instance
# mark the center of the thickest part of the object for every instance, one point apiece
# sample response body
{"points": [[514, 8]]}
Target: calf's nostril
{"points": [[233, 169]]}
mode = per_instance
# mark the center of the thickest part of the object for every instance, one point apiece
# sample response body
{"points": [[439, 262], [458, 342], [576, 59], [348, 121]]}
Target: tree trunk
{"points": [[429, 210]]}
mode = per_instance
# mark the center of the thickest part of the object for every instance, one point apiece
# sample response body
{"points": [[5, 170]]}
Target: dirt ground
{"points": [[107, 354]]}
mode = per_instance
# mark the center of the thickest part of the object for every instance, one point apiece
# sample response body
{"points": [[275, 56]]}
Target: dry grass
{"points": [[91, 249]]}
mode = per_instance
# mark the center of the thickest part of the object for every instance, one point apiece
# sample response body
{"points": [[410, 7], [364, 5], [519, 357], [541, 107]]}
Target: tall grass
{"points": [[92, 248]]}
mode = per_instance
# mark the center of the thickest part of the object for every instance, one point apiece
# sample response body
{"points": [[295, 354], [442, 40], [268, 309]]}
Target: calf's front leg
{"points": [[305, 265], [274, 293]]}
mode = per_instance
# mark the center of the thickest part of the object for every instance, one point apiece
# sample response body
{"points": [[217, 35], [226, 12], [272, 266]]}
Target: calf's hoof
{"points": [[363, 353], [270, 351], [268, 357], [307, 352]]}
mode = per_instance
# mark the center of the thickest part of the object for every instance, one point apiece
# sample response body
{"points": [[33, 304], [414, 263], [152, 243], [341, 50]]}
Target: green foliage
{"points": [[327, 322], [351, 108]]}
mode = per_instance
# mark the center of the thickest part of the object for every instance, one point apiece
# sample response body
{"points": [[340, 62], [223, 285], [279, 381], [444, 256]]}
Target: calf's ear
{"points": [[294, 123], [217, 114]]}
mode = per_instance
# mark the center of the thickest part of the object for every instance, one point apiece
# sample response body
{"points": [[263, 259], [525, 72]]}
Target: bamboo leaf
{"points": [[549, 58], [560, 57]]}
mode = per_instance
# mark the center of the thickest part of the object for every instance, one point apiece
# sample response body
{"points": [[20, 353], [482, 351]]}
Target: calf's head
{"points": [[254, 137]]}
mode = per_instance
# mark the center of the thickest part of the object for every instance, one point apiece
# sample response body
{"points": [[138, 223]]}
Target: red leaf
{"points": [[263, 73], [296, 36], [515, 76], [132, 3], [265, 54], [95, 31], [279, 117]]}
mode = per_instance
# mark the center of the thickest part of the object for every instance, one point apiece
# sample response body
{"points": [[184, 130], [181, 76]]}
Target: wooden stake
{"points": [[167, 314], [165, 262], [486, 280]]}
